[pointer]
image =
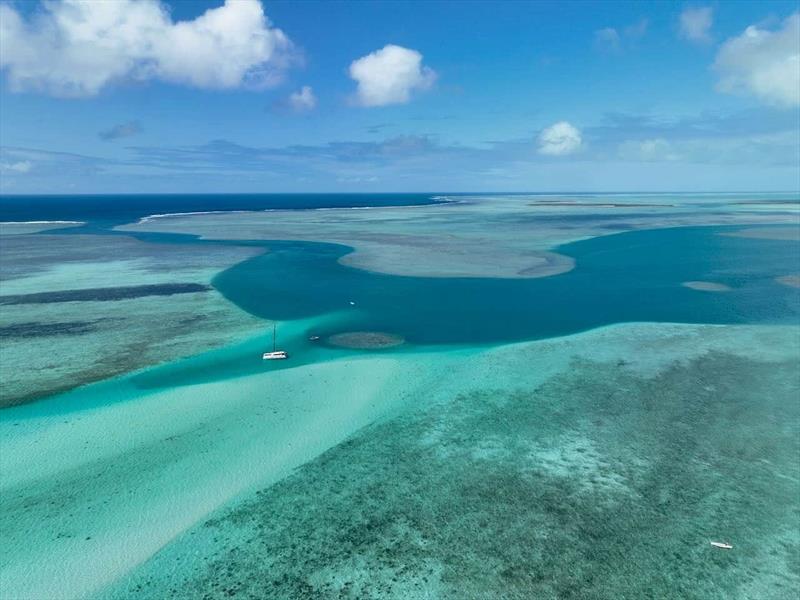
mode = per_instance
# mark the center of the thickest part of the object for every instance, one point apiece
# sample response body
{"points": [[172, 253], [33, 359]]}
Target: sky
{"points": [[241, 96]]}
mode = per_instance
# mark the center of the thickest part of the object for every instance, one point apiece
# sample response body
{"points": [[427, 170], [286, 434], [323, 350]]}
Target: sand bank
{"points": [[478, 236], [790, 280], [123, 479], [706, 286], [366, 340], [768, 233]]}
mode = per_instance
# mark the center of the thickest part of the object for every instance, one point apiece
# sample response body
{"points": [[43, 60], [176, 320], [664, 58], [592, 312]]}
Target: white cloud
{"points": [[303, 100], [122, 130], [390, 75], [77, 47], [559, 139], [607, 38], [652, 150], [22, 166], [695, 24], [638, 29], [763, 63]]}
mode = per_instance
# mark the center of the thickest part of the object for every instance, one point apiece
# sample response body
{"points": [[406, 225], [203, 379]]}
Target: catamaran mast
{"points": [[273, 337]]}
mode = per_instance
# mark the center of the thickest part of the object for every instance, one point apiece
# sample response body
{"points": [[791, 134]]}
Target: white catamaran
{"points": [[275, 354]]}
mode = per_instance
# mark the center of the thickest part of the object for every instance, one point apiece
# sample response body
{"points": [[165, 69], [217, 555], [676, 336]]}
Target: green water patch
{"points": [[598, 482]]}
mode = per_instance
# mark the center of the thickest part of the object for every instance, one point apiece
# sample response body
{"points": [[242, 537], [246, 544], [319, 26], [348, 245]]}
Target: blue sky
{"points": [[150, 96]]}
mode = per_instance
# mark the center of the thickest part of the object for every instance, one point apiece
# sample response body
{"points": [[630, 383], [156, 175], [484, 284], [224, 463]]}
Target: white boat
{"points": [[275, 354], [722, 545]]}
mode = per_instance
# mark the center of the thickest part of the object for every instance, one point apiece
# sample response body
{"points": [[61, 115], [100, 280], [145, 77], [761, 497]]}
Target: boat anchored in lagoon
{"points": [[275, 354]]}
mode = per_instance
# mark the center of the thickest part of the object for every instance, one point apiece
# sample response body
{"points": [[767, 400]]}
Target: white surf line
{"points": [[439, 200], [154, 217]]}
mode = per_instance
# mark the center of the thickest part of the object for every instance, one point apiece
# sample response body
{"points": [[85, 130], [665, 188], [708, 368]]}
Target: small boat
{"points": [[722, 545], [313, 338], [275, 354]]}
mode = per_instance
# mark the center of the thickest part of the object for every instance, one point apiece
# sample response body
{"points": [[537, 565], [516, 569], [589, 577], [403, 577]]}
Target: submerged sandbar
{"points": [[706, 286], [790, 280], [768, 233], [365, 340]]}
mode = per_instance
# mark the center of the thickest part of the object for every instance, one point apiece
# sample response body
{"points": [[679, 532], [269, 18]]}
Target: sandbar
{"points": [[768, 233], [790, 280], [706, 286], [365, 340], [487, 237]]}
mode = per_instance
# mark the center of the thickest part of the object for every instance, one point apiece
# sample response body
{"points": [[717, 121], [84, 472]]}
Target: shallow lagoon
{"points": [[454, 464], [629, 277]]}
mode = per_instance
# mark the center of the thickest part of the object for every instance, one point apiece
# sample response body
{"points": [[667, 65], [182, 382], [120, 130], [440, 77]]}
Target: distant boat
{"points": [[313, 338], [275, 354], [722, 545]]}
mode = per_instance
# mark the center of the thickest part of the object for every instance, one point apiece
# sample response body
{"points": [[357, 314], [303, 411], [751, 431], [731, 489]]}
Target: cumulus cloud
{"points": [[763, 63], [22, 166], [559, 139], [303, 100], [121, 130], [76, 48], [390, 75], [695, 24]]}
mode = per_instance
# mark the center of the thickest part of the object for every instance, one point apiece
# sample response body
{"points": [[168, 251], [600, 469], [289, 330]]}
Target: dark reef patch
{"points": [[598, 483], [367, 340], [40, 329], [105, 294]]}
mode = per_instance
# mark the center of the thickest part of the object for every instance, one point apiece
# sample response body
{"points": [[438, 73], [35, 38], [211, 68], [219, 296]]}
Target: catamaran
{"points": [[275, 354]]}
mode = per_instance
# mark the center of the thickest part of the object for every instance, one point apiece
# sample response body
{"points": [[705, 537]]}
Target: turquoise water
{"points": [[633, 276], [628, 277], [545, 470]]}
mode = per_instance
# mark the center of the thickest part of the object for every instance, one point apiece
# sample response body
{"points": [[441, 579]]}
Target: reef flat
{"points": [[595, 466], [28, 227], [489, 430], [78, 308], [473, 236]]}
